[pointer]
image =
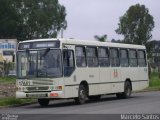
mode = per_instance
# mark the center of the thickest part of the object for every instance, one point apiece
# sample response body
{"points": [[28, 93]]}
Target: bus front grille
{"points": [[41, 88]]}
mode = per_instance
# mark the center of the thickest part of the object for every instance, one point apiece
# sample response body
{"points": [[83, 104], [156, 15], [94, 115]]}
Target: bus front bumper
{"points": [[52, 94]]}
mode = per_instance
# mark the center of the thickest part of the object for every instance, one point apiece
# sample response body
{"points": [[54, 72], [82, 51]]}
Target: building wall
{"points": [[8, 49]]}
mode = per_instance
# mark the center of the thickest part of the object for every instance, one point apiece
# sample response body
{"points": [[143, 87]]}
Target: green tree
{"points": [[32, 18], [9, 19], [102, 38], [136, 25]]}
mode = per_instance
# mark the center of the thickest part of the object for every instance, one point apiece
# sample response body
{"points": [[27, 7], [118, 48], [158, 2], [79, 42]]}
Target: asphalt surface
{"points": [[139, 103]]}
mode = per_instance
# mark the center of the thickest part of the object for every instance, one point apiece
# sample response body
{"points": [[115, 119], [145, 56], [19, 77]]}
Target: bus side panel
{"points": [[94, 89], [143, 73], [116, 79], [137, 75], [135, 86], [129, 73], [71, 91], [89, 75], [105, 88], [105, 77], [143, 77], [139, 85], [143, 84], [71, 85], [92, 77]]}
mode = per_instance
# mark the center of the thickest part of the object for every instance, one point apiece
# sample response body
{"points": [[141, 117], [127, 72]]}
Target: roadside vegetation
{"points": [[7, 80], [7, 93], [154, 82], [9, 101]]}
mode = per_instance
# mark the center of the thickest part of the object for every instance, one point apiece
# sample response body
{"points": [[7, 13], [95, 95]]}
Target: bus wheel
{"points": [[127, 91], [81, 95], [43, 102]]}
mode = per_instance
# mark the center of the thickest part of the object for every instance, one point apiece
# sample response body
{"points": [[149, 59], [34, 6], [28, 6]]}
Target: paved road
{"points": [[139, 103]]}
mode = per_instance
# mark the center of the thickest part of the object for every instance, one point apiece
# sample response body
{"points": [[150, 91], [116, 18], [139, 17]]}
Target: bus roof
{"points": [[88, 43]]}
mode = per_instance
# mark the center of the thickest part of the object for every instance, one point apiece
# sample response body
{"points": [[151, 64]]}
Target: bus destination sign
{"points": [[38, 45]]}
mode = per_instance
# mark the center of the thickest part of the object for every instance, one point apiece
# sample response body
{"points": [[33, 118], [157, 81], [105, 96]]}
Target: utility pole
{"points": [[62, 33]]}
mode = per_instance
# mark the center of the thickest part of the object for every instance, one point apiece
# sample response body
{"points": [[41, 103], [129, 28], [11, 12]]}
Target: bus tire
{"points": [[43, 102], [82, 95], [127, 91]]}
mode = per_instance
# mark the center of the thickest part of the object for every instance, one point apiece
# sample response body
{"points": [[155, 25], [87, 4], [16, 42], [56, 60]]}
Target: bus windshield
{"points": [[39, 63]]}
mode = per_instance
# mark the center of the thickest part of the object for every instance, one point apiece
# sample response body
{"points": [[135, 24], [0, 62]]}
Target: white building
{"points": [[7, 54], [8, 50]]}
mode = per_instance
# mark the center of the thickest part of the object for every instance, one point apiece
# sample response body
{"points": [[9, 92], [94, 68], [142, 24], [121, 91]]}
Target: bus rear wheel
{"points": [[82, 95], [43, 102], [127, 91]]}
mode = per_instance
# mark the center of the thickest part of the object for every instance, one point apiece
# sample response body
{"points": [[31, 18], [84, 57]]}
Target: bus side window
{"points": [[114, 57], [124, 58], [103, 57], [141, 58], [81, 56], [133, 58], [68, 62], [92, 57]]}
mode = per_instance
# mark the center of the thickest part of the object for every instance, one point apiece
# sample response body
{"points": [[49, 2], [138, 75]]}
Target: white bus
{"points": [[67, 68]]}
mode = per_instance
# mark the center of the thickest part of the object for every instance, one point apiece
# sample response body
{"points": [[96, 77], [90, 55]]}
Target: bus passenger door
{"points": [[69, 73]]}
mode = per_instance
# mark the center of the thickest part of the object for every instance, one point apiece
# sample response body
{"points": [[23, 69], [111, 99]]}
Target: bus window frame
{"points": [[74, 67], [85, 57], [125, 58], [117, 65], [133, 58], [106, 48], [145, 57], [96, 48]]}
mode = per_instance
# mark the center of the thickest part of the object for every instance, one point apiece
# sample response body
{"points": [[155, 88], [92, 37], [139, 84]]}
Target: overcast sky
{"points": [[87, 18]]}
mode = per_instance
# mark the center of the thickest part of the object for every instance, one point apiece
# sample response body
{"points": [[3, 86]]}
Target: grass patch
{"points": [[14, 101], [7, 80], [154, 80]]}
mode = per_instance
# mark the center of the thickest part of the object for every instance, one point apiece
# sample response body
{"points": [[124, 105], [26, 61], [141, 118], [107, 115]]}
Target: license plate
{"points": [[36, 95]]}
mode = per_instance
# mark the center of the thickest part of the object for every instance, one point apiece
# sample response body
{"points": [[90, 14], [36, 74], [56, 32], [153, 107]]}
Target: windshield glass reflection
{"points": [[42, 63]]}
